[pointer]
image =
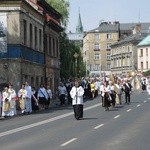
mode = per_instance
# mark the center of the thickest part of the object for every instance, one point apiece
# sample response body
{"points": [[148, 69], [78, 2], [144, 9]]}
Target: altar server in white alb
{"points": [[148, 88], [28, 99], [6, 101], [76, 94], [12, 101], [22, 94]]}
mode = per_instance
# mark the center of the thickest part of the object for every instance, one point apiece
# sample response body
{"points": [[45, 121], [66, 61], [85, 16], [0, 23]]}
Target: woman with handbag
{"points": [[42, 97]]}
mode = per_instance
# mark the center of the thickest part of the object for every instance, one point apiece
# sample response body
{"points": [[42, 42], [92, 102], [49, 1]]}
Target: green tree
{"points": [[67, 60], [62, 6]]}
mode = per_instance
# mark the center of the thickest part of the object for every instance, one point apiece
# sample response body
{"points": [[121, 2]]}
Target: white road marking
{"points": [[99, 126], [116, 116], [138, 105], [129, 110], [68, 142], [42, 122], [145, 101]]}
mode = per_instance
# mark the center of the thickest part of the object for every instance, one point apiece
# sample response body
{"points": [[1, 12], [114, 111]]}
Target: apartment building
{"points": [[96, 48], [26, 48], [143, 55]]}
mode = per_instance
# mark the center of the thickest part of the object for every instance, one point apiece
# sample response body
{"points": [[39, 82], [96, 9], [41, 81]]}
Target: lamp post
{"points": [[76, 56]]}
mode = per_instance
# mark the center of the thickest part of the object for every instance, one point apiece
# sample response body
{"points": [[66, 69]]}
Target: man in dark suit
{"points": [[127, 87]]}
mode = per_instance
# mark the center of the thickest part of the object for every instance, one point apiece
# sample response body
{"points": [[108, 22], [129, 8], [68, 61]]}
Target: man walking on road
{"points": [[76, 94]]}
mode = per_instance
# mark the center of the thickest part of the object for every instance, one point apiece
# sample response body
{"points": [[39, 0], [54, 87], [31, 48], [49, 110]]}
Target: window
{"points": [[147, 65], [108, 56], [141, 52], [109, 36], [40, 39], [146, 51], [35, 40], [96, 67], [32, 81], [37, 81], [96, 46], [57, 48], [108, 67], [31, 35], [53, 47], [97, 56], [96, 36], [108, 45], [128, 48], [141, 65], [50, 46], [25, 31]]}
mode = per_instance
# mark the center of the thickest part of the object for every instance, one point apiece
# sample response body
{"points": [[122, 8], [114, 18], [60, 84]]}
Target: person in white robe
{"points": [[28, 99], [6, 103], [76, 94], [22, 94], [148, 88], [12, 101]]}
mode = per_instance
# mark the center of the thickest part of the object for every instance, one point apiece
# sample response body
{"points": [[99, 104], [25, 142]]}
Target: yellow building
{"points": [[96, 48]]}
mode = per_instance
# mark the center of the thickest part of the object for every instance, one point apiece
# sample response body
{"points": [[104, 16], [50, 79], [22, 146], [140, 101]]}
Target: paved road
{"points": [[125, 128]]}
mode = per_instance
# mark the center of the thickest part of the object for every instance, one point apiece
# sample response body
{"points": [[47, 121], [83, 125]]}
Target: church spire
{"points": [[79, 27]]}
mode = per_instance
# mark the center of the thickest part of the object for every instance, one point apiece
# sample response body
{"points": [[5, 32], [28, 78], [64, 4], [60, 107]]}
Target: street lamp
{"points": [[76, 56]]}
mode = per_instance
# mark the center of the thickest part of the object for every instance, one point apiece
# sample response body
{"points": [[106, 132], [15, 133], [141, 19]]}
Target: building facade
{"points": [[24, 57], [124, 55], [96, 48], [143, 55]]}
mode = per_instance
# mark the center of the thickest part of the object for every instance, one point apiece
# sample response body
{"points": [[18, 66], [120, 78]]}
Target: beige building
{"points": [[124, 55], [96, 48], [112, 47], [24, 52], [124, 52]]}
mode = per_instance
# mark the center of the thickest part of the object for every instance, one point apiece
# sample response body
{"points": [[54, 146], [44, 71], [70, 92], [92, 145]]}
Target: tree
{"points": [[67, 60], [62, 6]]}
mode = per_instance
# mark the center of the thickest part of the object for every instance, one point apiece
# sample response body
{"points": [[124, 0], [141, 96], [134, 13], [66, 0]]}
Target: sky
{"points": [[94, 11]]}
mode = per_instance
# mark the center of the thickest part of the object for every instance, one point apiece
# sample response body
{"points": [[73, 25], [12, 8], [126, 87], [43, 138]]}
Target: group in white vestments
{"points": [[22, 94], [28, 98], [76, 94], [6, 98], [12, 101]]}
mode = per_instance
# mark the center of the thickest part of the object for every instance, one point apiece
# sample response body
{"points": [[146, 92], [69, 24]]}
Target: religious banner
{"points": [[3, 33]]}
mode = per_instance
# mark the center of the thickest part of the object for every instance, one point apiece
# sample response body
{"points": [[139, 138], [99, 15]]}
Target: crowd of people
{"points": [[70, 91], [27, 99]]}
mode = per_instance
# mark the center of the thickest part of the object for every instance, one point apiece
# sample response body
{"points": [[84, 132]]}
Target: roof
{"points": [[145, 41], [106, 27], [135, 39]]}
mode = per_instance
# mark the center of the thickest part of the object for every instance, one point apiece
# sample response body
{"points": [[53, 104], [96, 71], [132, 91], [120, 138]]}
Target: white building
{"points": [[143, 58]]}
